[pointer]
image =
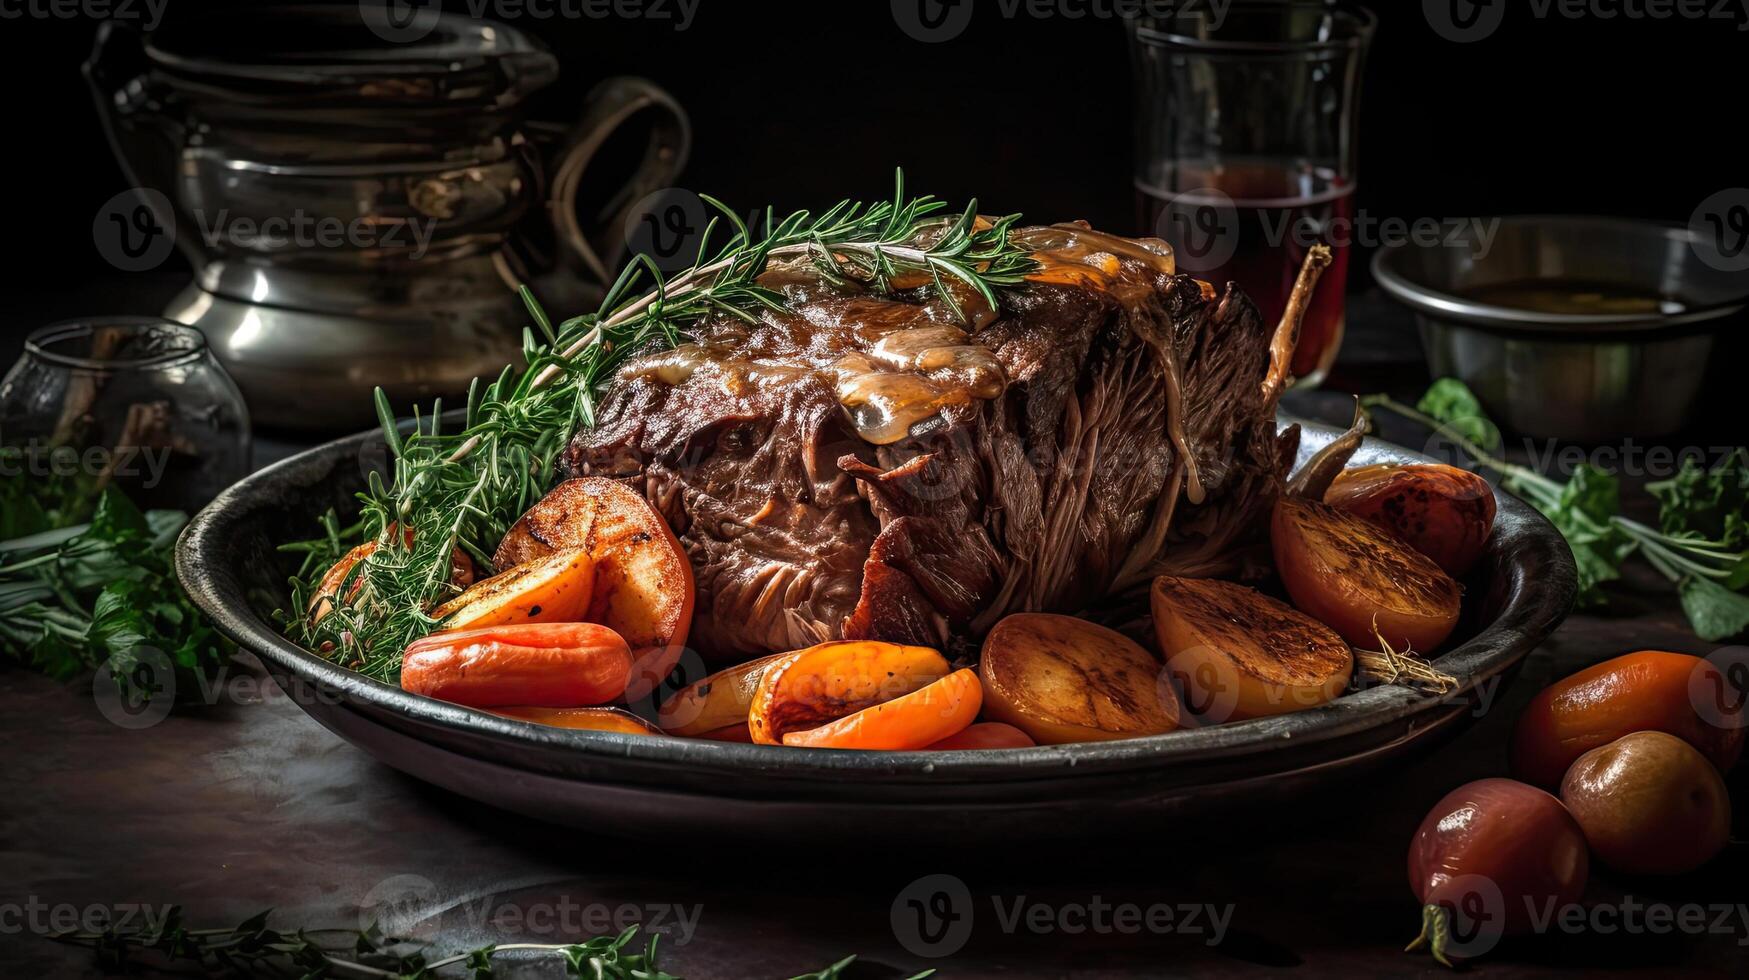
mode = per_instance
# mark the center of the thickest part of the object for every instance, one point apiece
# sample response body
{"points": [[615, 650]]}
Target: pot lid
{"points": [[372, 53]]}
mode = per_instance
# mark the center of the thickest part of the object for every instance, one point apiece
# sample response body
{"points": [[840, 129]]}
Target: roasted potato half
{"points": [[1060, 679], [1441, 511], [555, 589], [1358, 578], [1236, 653], [643, 581]]}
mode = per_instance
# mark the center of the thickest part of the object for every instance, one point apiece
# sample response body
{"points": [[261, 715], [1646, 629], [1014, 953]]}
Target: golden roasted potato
{"points": [[1236, 653], [1358, 578], [555, 589], [1060, 679], [643, 581]]}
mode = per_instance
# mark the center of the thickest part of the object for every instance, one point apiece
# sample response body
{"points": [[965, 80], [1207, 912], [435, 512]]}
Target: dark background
{"points": [[801, 103]]}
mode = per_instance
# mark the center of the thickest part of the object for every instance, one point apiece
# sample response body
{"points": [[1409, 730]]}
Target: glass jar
{"points": [[136, 403]]}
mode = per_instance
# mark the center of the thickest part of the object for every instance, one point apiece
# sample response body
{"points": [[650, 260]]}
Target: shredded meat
{"points": [[862, 466]]}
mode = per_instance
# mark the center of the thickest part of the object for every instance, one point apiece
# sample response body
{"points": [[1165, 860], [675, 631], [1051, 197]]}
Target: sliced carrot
{"points": [[555, 589], [582, 719], [986, 735], [550, 665], [912, 721], [808, 688]]}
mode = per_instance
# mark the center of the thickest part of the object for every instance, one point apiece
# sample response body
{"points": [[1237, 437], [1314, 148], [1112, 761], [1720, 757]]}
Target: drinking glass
{"points": [[140, 404], [1245, 137]]}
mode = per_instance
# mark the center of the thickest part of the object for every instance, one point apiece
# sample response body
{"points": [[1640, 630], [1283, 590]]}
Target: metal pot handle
{"points": [[610, 105], [144, 130]]}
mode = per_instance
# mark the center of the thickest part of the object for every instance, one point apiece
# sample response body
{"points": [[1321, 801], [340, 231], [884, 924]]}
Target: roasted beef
{"points": [[867, 466]]}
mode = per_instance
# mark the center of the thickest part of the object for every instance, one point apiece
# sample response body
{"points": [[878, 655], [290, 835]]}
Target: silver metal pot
{"points": [[360, 207], [1585, 377]]}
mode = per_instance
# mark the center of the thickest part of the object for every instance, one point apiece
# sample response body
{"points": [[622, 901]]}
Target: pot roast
{"points": [[904, 468]]}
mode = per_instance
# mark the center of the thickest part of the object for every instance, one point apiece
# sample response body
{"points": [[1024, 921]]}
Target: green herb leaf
{"points": [[1709, 504], [1453, 403], [1716, 612]]}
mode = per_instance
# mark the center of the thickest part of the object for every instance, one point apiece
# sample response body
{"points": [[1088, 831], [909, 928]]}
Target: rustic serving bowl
{"points": [[1593, 377], [653, 786]]}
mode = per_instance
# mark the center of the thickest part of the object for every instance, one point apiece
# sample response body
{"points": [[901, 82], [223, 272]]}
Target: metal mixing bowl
{"points": [[1585, 377]]}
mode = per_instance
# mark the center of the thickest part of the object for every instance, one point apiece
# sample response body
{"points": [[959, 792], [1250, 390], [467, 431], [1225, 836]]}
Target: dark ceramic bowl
{"points": [[651, 786]]}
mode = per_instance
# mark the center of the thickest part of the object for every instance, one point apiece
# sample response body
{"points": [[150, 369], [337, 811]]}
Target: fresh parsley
{"points": [[1701, 544], [86, 580]]}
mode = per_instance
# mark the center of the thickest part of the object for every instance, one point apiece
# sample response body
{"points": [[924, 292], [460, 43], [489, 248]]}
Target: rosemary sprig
{"points": [[251, 948], [463, 489]]}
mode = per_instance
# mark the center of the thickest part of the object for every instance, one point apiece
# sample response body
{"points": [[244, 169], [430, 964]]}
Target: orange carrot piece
{"points": [[912, 721]]}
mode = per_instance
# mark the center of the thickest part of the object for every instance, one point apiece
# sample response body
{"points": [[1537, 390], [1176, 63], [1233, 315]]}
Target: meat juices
{"points": [[872, 467]]}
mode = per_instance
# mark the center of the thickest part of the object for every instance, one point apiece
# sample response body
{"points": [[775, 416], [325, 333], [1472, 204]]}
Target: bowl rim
{"points": [[1533, 607], [1427, 300]]}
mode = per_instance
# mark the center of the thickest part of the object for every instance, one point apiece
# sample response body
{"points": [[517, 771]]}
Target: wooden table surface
{"points": [[248, 804]]}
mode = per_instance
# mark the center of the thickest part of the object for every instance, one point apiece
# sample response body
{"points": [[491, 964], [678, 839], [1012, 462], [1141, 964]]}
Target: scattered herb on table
{"points": [[1701, 544], [251, 948], [86, 579], [463, 488]]}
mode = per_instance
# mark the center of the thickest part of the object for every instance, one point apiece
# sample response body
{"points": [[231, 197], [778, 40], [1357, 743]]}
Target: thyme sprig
{"points": [[251, 948], [461, 489]]}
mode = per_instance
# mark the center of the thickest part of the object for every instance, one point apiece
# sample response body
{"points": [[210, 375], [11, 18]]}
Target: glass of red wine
{"points": [[1245, 148]]}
